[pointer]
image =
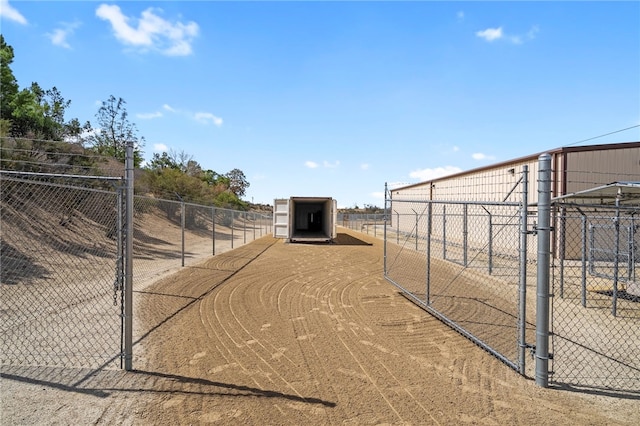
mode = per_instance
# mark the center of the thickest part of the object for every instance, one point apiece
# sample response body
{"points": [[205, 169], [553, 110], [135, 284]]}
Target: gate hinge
{"points": [[532, 351]]}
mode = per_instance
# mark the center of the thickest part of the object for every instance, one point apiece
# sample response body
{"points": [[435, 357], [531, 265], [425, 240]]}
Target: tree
{"points": [[162, 161], [39, 113], [32, 112], [54, 106], [115, 131], [74, 131], [238, 183], [8, 84], [26, 114]]}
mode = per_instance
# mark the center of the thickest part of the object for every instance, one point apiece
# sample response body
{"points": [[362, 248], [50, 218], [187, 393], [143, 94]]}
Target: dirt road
{"points": [[290, 334]]}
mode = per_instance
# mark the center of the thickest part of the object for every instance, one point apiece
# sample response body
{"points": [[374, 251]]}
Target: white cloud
{"points": [[160, 147], [329, 165], [490, 34], [152, 31], [9, 12], [59, 36], [364, 166], [430, 174], [480, 156], [202, 117], [455, 148], [149, 115], [311, 164], [460, 15], [206, 117], [379, 195]]}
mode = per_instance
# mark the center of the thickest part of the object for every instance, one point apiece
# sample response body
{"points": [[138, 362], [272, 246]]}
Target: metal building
{"points": [[574, 169]]}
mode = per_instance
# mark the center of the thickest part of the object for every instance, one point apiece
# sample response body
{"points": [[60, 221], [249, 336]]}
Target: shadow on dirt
{"points": [[18, 267], [246, 390], [349, 240], [104, 383], [340, 240]]}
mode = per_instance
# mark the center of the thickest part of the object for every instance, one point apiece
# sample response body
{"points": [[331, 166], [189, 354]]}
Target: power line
{"points": [[606, 134]]}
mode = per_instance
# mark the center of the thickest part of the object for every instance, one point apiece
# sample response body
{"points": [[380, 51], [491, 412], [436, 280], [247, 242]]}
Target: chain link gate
{"points": [[581, 286], [61, 270], [465, 262]]}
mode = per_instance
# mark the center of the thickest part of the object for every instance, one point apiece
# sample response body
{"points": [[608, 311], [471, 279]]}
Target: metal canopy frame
{"points": [[612, 194], [624, 197]]}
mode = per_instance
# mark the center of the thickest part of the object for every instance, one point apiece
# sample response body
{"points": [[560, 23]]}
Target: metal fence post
{"points": [[632, 249], [416, 213], [490, 240], [120, 264], [384, 232], [233, 218], [128, 277], [583, 278], [616, 266], [375, 225], [490, 248], [182, 223], [522, 320], [213, 231], [428, 253], [630, 255], [465, 233], [562, 248], [444, 232], [542, 300]]}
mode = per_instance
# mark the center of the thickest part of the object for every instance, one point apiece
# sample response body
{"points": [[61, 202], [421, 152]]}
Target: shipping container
{"points": [[305, 219]]}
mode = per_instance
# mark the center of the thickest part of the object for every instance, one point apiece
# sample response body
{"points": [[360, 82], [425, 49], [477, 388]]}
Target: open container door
{"points": [[281, 218], [334, 219]]}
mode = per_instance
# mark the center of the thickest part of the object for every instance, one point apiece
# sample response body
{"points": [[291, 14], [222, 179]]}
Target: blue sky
{"points": [[336, 98]]}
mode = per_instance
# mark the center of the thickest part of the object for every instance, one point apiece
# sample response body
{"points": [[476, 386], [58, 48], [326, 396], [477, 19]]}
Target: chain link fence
{"points": [[172, 234], [477, 267], [367, 223], [62, 261], [60, 276], [596, 303]]}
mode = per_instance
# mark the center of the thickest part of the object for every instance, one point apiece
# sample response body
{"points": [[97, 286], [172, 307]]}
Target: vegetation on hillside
{"points": [[35, 135]]}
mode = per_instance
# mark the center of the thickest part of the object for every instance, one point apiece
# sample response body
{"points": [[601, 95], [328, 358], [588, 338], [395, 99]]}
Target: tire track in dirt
{"points": [[327, 306], [238, 310], [370, 274], [284, 334], [399, 385], [313, 334]]}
